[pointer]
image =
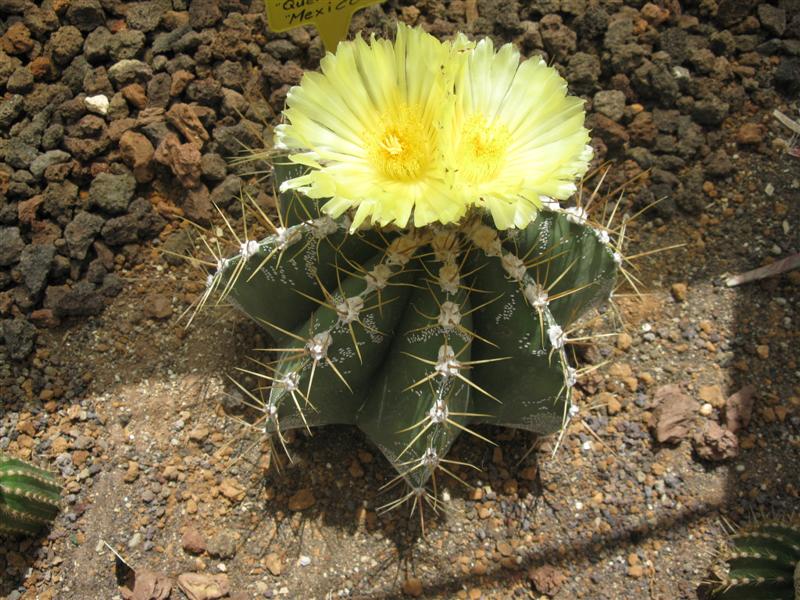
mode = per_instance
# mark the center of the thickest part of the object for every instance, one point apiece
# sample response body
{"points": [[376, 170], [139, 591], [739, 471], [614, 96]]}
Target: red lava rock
{"points": [[654, 14], [137, 152], [200, 586], [26, 209], [739, 408], [182, 159], [546, 579], [17, 39], [673, 415], [158, 307], [180, 79], [750, 133], [715, 442], [197, 205], [611, 132], [146, 585], [193, 541], [183, 118], [135, 95]]}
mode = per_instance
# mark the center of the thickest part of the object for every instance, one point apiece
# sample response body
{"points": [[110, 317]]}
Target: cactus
{"points": [[415, 335], [765, 564], [29, 497]]}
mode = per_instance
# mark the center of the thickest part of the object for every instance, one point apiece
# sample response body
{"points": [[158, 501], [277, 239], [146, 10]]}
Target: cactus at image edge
{"points": [[764, 564], [415, 335], [29, 497]]}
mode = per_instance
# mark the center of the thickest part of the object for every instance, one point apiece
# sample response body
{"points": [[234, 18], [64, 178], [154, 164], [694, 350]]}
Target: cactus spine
{"points": [[765, 564], [29, 497], [415, 335]]}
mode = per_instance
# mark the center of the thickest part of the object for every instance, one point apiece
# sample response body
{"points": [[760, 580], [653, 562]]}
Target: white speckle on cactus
{"points": [[209, 280], [323, 226], [449, 278], [318, 345], [438, 412], [514, 266], [290, 381], [556, 335], [572, 377], [617, 258], [573, 410], [446, 364], [349, 309], [287, 236], [221, 263], [576, 214], [536, 295], [378, 277], [602, 235], [430, 459], [449, 315], [248, 248]]}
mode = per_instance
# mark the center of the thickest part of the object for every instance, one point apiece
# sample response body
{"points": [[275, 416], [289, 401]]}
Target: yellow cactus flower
{"points": [[514, 135], [420, 131], [368, 127]]}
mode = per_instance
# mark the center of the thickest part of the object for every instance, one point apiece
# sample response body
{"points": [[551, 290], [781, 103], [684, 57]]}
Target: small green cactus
{"points": [[764, 565], [415, 335], [29, 497]]}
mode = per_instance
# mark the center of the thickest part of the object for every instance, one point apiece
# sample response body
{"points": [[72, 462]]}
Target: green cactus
{"points": [[764, 565], [414, 336], [29, 497]]}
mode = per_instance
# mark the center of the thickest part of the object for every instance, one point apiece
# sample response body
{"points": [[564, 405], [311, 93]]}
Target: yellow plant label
{"points": [[330, 17]]}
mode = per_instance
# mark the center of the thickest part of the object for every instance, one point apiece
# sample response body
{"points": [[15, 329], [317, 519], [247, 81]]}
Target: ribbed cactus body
{"points": [[29, 497], [414, 336], [764, 564]]}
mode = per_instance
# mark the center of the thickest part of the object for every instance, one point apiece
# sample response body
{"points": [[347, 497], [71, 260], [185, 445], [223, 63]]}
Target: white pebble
{"points": [[97, 104], [706, 409], [305, 561]]}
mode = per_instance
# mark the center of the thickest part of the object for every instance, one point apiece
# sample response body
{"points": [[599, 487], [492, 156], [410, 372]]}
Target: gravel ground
{"points": [[100, 379]]}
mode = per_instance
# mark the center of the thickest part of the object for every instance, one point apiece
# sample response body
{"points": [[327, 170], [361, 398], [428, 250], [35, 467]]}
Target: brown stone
{"points": [[231, 489], [546, 579], [192, 541], [673, 415], [137, 152], [739, 408], [201, 586], [144, 584], [302, 500], [273, 562], [412, 587], [715, 443], [157, 306], [679, 291], [711, 394]]}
